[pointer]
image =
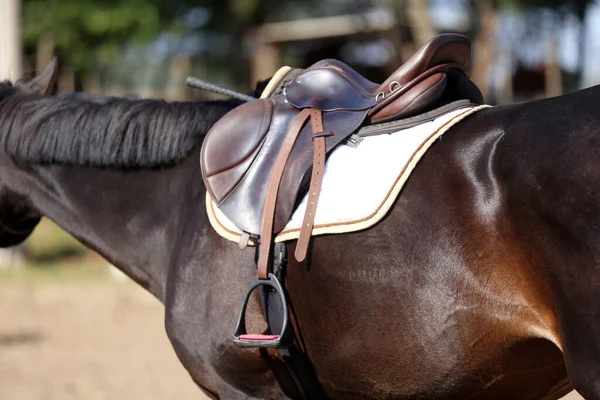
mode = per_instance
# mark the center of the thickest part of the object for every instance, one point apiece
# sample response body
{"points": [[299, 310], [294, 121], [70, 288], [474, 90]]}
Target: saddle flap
{"points": [[232, 144], [329, 89]]}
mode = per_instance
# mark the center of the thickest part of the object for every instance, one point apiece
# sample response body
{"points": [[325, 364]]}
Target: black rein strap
{"points": [[295, 359]]}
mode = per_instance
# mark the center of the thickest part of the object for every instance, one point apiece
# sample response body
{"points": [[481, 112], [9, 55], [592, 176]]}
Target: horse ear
{"points": [[44, 82]]}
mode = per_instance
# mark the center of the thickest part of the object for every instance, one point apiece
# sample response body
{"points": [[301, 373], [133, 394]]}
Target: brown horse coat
{"points": [[481, 283]]}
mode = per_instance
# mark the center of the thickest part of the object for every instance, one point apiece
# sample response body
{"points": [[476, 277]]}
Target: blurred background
{"points": [[68, 320], [521, 49]]}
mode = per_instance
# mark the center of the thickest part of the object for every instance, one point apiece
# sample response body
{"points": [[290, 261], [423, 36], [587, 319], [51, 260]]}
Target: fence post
{"points": [[11, 58]]}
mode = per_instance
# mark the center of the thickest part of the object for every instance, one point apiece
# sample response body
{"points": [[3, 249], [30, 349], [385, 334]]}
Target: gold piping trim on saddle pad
{"points": [[359, 224], [216, 224]]}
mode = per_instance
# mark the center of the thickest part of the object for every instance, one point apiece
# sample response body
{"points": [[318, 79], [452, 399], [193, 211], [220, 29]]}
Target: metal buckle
{"points": [[353, 141], [241, 337], [394, 86]]}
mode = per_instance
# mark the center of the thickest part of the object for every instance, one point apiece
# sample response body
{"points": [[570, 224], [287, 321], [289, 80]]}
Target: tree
{"points": [[76, 26], [92, 35]]}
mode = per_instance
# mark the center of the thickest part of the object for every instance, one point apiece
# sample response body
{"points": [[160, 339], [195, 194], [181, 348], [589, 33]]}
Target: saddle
{"points": [[241, 152], [263, 156]]}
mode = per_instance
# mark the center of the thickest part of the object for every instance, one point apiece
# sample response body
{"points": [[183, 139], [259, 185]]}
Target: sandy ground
{"points": [[87, 339]]}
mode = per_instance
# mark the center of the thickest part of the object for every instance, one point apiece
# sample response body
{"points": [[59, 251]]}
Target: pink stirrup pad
{"points": [[259, 337]]}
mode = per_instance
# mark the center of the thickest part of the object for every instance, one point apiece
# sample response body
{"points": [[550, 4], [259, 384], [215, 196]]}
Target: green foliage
{"points": [[89, 34], [79, 25], [48, 241]]}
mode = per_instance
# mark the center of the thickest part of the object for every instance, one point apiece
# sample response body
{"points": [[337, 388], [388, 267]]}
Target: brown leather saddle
{"points": [[260, 157]]}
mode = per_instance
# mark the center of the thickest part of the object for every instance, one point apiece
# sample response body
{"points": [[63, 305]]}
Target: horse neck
{"points": [[132, 218]]}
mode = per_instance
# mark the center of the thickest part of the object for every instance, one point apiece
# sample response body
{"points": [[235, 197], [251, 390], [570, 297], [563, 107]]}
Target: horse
{"points": [[480, 283]]}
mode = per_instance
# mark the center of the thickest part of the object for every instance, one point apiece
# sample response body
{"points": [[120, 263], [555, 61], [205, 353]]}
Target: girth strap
{"points": [[303, 383]]}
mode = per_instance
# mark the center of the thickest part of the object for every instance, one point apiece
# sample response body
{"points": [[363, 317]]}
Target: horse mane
{"points": [[98, 131]]}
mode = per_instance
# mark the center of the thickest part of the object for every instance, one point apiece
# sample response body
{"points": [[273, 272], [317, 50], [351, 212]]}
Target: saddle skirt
{"points": [[362, 182]]}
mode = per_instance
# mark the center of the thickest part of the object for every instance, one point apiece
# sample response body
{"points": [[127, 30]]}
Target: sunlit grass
{"points": [[87, 268], [48, 242]]}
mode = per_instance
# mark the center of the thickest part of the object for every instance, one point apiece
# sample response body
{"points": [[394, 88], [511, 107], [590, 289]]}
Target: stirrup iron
{"points": [[243, 339]]}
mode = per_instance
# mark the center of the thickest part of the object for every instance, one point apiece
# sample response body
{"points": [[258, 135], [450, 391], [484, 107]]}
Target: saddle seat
{"points": [[418, 84], [240, 153]]}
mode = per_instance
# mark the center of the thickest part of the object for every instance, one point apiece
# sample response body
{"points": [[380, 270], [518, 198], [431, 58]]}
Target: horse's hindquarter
{"points": [[436, 301], [555, 205]]}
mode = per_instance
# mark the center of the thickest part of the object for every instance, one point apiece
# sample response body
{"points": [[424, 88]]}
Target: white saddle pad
{"points": [[360, 183]]}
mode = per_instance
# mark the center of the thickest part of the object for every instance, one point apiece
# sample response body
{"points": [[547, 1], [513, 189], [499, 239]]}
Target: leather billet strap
{"points": [[266, 229], [316, 179]]}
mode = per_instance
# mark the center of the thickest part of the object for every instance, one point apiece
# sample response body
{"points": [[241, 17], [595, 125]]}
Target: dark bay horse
{"points": [[481, 283]]}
